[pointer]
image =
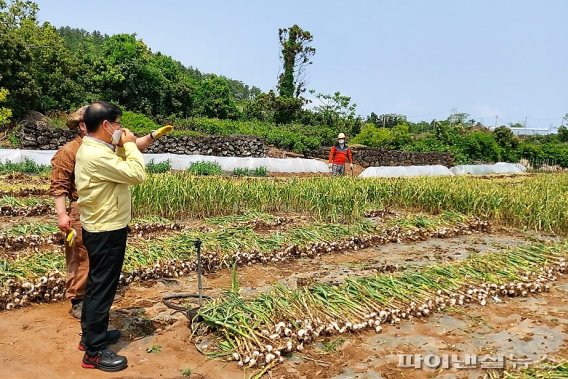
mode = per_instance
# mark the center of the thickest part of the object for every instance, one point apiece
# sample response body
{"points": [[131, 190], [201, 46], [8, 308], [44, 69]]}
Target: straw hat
{"points": [[341, 136], [76, 117]]}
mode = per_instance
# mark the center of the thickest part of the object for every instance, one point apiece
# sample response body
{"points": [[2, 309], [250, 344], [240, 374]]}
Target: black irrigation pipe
{"points": [[190, 313]]}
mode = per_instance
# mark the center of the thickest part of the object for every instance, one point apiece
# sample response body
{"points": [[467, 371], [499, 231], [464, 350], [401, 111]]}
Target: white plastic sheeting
{"points": [[181, 162], [438, 170], [404, 171], [42, 157], [489, 169]]}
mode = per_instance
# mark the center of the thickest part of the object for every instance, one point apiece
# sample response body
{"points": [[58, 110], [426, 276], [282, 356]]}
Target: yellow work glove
{"points": [[162, 131], [71, 237]]}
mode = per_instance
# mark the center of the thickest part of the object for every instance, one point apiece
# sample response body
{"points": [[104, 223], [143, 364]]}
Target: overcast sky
{"points": [[505, 58]]}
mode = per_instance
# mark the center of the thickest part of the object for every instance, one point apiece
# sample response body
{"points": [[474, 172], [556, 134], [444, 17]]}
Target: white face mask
{"points": [[115, 136], [341, 141]]}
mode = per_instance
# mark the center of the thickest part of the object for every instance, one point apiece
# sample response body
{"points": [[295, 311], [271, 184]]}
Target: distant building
{"points": [[533, 131]]}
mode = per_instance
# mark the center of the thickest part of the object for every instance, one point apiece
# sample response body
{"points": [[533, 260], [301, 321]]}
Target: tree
{"points": [[563, 134], [15, 56], [213, 98], [480, 146], [459, 119], [296, 55], [48, 69], [55, 69], [272, 108], [18, 11], [241, 91], [35, 66], [335, 111], [388, 120], [505, 137], [447, 134], [5, 113], [334, 107]]}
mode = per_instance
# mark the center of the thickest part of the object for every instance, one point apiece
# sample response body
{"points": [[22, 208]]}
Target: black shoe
{"points": [[104, 360], [76, 309], [111, 337]]}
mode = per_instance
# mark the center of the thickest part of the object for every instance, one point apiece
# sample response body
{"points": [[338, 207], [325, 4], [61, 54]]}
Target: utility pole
{"points": [[526, 118], [496, 117], [452, 116]]}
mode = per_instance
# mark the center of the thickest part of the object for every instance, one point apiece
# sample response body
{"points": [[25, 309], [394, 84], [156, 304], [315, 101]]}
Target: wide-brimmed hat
{"points": [[76, 117], [341, 136]]}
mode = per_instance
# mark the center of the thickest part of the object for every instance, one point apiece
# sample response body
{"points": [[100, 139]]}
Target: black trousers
{"points": [[106, 255]]}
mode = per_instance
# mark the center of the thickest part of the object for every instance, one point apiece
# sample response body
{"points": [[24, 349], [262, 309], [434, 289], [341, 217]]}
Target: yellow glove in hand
{"points": [[71, 237], [162, 131]]}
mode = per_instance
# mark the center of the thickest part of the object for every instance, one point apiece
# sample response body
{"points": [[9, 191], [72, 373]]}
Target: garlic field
{"points": [[315, 277]]}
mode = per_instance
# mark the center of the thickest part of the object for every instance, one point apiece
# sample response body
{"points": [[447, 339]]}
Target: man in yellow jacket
{"points": [[63, 187], [108, 161]]}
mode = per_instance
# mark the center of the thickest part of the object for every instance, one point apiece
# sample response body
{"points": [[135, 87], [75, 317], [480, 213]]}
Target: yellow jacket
{"points": [[102, 177]]}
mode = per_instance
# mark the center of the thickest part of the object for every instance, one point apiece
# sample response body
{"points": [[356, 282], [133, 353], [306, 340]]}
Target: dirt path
{"points": [[41, 341]]}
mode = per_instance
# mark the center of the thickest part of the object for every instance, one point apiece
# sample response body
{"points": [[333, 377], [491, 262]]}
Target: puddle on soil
{"points": [[133, 323]]}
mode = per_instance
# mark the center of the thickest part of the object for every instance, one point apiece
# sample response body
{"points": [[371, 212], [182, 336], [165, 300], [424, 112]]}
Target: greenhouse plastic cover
{"points": [[181, 162], [489, 169], [404, 171], [438, 170]]}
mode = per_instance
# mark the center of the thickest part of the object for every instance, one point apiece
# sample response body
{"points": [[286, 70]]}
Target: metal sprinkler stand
{"points": [[197, 244], [189, 313]]}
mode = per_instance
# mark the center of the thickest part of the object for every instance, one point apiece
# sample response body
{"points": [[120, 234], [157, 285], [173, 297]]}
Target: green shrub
{"points": [[292, 137], [158, 168], [481, 147], [138, 123], [563, 134], [5, 113], [387, 138], [555, 154], [14, 139], [205, 168], [57, 120], [431, 144], [259, 171], [27, 166]]}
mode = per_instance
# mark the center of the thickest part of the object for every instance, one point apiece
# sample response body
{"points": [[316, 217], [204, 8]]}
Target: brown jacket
{"points": [[63, 170]]}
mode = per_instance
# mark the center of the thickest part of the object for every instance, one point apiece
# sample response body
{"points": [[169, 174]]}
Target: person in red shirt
{"points": [[338, 155]]}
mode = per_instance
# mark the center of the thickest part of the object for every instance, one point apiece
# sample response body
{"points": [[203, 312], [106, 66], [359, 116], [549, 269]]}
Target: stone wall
{"points": [[374, 157], [37, 134], [222, 146]]}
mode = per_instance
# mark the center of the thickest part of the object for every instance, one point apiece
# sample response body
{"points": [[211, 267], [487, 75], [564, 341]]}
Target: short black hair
{"points": [[99, 111]]}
